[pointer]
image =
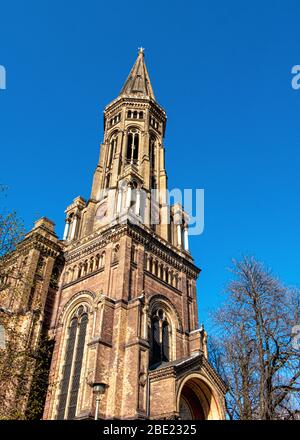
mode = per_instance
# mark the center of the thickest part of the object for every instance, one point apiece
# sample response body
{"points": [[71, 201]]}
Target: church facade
{"points": [[117, 296]]}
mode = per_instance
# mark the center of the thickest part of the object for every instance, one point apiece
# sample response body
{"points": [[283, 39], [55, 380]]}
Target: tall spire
{"points": [[138, 82]]}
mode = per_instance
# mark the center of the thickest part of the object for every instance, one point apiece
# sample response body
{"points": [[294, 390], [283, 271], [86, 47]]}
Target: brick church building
{"points": [[117, 296]]}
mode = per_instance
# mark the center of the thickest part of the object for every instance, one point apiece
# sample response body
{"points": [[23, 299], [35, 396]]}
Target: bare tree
{"points": [[25, 351], [13, 371], [11, 233], [14, 347], [11, 226], [254, 349]]}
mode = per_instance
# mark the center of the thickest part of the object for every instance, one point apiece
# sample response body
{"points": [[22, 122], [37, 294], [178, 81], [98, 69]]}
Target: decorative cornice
{"points": [[33, 241], [217, 378], [84, 277], [119, 102], [153, 243], [162, 373], [97, 240], [194, 364], [158, 279]]}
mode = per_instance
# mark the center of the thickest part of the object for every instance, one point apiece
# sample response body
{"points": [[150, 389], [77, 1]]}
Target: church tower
{"points": [[124, 314], [132, 158]]}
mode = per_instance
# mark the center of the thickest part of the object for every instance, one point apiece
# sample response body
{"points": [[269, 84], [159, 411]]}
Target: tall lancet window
{"points": [[107, 180], [159, 338], [69, 387], [112, 149], [152, 152], [132, 152]]}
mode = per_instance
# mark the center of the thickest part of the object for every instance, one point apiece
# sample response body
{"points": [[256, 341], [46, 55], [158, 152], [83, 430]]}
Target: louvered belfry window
{"points": [[159, 339], [67, 400]]}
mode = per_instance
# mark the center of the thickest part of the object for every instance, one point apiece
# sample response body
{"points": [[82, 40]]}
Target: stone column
{"points": [[138, 201], [119, 201], [128, 197], [186, 239], [74, 224], [66, 231], [179, 238]]}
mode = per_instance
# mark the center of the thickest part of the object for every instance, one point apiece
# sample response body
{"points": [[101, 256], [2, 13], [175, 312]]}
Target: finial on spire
{"points": [[141, 50]]}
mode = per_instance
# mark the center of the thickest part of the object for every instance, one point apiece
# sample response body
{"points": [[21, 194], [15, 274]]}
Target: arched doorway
{"points": [[190, 407], [196, 399]]}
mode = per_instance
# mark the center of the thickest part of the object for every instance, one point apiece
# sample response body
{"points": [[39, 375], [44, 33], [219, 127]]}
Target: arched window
{"points": [[115, 120], [165, 341], [102, 260], [159, 338], [161, 271], [69, 387], [133, 254], [176, 281], [156, 268], [97, 261], [171, 230], [41, 265], [112, 149], [107, 180], [152, 152], [155, 343], [91, 267], [74, 274], [167, 275], [85, 267], [115, 253], [132, 152], [148, 262]]}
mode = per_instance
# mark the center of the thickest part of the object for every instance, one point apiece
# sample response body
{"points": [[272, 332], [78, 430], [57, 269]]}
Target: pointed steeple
{"points": [[138, 82]]}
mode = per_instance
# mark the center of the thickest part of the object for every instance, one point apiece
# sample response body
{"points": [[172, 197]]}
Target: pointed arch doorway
{"points": [[190, 407], [196, 399]]}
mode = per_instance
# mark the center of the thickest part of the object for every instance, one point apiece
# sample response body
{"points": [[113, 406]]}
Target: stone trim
{"points": [[139, 341], [196, 364], [142, 235], [72, 299], [36, 241], [99, 340], [159, 280], [84, 277], [163, 298], [162, 373]]}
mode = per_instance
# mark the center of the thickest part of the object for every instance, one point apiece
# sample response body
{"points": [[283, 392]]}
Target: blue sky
{"points": [[222, 71]]}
